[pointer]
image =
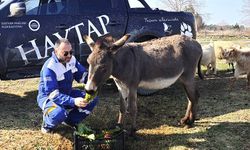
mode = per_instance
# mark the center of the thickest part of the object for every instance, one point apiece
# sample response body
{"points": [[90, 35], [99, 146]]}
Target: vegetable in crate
{"points": [[86, 132], [108, 134]]}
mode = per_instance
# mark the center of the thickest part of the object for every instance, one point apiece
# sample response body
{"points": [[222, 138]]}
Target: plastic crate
{"points": [[116, 142]]}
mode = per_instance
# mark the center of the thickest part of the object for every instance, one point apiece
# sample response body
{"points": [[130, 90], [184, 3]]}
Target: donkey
{"points": [[154, 64]]}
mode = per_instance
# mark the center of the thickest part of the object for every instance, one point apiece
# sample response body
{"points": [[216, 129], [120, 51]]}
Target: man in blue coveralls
{"points": [[58, 101]]}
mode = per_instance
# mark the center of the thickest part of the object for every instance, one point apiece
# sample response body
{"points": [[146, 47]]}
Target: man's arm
{"points": [[52, 90], [81, 75]]}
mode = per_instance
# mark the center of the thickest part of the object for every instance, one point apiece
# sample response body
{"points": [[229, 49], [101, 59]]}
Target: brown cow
{"points": [[221, 56], [241, 58], [154, 64]]}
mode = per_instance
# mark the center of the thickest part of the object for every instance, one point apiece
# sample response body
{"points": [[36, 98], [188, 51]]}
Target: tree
{"points": [[192, 6], [199, 22], [176, 5], [246, 12], [181, 5], [236, 26]]}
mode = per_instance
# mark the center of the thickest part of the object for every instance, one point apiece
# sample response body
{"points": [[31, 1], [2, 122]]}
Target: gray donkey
{"points": [[154, 64]]}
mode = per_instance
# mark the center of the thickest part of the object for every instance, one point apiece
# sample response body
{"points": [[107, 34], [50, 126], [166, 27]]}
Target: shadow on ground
{"points": [[168, 106], [224, 136], [19, 112]]}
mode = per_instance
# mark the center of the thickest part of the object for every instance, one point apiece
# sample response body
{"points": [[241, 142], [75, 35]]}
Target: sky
{"points": [[219, 12], [223, 12]]}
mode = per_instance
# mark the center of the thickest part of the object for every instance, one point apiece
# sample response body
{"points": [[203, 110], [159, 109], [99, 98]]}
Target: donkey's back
{"points": [[159, 63]]}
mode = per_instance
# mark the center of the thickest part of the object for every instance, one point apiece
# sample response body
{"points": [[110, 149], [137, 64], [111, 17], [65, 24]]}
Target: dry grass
{"points": [[224, 34], [229, 42], [224, 117]]}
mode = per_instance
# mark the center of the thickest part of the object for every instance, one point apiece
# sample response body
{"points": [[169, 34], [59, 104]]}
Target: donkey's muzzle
{"points": [[91, 92]]}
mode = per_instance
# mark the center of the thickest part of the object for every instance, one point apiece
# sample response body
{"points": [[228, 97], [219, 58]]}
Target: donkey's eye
{"points": [[103, 69]]}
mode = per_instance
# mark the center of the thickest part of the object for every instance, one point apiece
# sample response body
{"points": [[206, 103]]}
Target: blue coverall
{"points": [[56, 96]]}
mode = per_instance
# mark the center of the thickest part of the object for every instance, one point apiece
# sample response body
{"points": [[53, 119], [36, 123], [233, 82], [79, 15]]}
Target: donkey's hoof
{"points": [[183, 121], [187, 126], [186, 123]]}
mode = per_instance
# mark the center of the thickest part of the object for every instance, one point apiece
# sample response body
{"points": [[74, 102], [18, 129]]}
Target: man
{"points": [[58, 101]]}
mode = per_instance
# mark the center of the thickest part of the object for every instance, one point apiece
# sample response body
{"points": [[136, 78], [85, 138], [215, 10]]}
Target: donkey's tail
{"points": [[199, 69]]}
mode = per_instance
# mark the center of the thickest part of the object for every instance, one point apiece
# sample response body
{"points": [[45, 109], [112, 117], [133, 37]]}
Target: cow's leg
{"points": [[231, 65], [132, 109], [193, 96], [208, 69], [237, 73], [248, 80], [214, 67]]}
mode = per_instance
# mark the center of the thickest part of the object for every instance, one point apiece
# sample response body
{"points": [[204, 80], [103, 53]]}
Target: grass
{"points": [[223, 117]]}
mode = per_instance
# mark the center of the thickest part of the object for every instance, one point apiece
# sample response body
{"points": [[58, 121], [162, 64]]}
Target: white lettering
{"points": [[48, 44], [78, 32], [102, 23], [67, 32], [150, 20], [20, 48], [48, 41], [91, 26], [23, 54]]}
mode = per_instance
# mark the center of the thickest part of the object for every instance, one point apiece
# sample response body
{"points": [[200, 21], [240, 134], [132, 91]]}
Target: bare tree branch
{"points": [[192, 6], [180, 5], [176, 5], [246, 12]]}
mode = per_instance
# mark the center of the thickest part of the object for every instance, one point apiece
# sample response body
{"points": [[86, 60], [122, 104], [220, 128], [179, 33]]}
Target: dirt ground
{"points": [[223, 117]]}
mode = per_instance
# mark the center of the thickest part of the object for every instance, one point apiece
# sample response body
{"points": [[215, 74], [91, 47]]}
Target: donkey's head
{"points": [[101, 60]]}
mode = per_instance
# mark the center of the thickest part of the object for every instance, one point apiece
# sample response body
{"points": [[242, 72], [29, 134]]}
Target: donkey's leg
{"points": [[123, 101], [193, 96], [122, 111], [132, 109]]}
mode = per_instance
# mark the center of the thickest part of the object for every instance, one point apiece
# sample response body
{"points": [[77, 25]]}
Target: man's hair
{"points": [[59, 41]]}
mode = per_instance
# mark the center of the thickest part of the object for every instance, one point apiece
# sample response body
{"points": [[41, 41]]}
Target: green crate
{"points": [[116, 142]]}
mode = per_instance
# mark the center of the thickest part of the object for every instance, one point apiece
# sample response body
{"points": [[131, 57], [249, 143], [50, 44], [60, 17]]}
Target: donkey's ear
{"points": [[89, 41], [120, 42]]}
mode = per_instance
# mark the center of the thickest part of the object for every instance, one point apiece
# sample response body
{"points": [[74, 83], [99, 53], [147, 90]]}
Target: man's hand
{"points": [[80, 102], [89, 97]]}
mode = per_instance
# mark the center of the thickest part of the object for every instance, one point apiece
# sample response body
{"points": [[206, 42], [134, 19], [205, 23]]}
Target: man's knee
{"points": [[57, 115]]}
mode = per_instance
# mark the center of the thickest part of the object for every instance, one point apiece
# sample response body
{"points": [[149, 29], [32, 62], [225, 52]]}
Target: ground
{"points": [[223, 117]]}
